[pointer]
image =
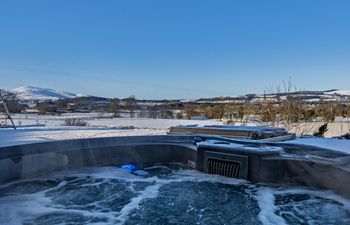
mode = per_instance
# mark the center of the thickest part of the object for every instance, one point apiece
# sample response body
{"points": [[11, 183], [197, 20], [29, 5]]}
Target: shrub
{"points": [[179, 116], [75, 122]]}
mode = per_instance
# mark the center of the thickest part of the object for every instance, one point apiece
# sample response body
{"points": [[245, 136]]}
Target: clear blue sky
{"points": [[174, 48]]}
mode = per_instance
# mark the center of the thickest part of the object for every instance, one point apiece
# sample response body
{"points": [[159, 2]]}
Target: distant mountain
{"points": [[307, 96], [342, 93], [42, 94], [29, 93]]}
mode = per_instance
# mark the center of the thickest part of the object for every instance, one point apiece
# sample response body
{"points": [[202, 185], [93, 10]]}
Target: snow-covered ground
{"points": [[39, 134], [341, 145], [97, 127]]}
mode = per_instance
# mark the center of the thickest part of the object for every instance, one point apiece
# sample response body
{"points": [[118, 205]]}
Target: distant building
{"points": [[31, 111]]}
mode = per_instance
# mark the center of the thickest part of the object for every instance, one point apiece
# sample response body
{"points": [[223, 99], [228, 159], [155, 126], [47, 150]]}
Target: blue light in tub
{"points": [[128, 166]]}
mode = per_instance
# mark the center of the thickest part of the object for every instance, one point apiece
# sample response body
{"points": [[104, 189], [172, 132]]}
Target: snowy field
{"points": [[49, 128], [98, 126]]}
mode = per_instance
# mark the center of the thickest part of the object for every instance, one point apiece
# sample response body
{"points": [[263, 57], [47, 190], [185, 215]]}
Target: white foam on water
{"points": [[182, 175], [196, 176], [322, 194], [14, 209], [266, 202], [149, 192]]}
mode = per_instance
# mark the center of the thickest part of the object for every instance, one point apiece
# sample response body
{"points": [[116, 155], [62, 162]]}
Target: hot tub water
{"points": [[162, 195]]}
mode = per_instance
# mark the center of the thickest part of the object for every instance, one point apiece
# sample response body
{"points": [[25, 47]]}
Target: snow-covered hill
{"points": [[29, 93], [342, 93], [307, 96], [41, 94]]}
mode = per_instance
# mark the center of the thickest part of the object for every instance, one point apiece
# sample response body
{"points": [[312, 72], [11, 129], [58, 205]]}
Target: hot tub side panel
{"points": [[26, 161]]}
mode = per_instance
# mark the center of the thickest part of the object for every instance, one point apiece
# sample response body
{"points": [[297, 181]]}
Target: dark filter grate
{"points": [[223, 167]]}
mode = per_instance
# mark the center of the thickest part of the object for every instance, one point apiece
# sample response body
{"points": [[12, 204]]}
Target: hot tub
{"points": [[172, 180]]}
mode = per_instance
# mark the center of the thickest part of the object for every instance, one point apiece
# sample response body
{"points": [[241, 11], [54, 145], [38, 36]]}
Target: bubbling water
{"points": [[162, 195]]}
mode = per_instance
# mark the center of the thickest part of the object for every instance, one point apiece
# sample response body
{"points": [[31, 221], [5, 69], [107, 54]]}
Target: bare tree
{"points": [[179, 115], [190, 112], [327, 111], [218, 111], [8, 101], [130, 105], [12, 102], [114, 107]]}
